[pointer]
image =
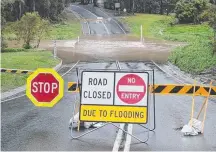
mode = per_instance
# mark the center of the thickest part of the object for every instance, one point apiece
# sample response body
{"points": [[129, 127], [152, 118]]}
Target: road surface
{"points": [[26, 127]]}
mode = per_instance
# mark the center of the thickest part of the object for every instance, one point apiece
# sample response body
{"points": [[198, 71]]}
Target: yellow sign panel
{"points": [[123, 114]]}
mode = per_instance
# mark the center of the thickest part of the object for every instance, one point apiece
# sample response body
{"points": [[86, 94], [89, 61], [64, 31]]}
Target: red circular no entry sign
{"points": [[131, 88]]}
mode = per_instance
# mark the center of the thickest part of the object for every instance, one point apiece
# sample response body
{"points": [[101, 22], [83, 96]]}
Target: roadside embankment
{"points": [[16, 57], [193, 58]]}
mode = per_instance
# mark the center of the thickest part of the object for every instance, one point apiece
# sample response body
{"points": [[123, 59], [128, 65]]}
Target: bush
{"points": [[3, 43], [13, 50], [190, 11], [27, 46], [5, 50], [214, 47]]}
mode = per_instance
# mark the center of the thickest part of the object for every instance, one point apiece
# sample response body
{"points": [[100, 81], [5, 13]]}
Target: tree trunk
{"points": [[144, 6], [161, 7], [38, 42], [33, 6], [20, 9]]}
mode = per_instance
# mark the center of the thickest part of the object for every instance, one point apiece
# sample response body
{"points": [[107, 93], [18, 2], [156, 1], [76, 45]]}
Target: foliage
{"points": [[26, 28], [31, 27], [193, 58], [149, 6], [14, 50], [210, 16], [13, 10], [42, 31], [30, 60], [188, 11], [3, 43]]}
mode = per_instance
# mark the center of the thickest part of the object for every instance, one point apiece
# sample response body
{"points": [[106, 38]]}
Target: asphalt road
{"points": [[92, 26], [26, 127]]}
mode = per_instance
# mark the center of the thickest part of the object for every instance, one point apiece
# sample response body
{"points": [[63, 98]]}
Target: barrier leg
{"points": [[206, 104]]}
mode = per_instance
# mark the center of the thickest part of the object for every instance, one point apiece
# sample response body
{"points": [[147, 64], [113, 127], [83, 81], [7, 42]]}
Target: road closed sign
{"points": [[45, 87], [114, 96]]}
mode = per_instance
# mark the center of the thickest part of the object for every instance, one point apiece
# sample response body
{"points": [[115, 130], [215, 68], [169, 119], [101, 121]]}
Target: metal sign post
{"points": [[55, 50], [106, 96]]}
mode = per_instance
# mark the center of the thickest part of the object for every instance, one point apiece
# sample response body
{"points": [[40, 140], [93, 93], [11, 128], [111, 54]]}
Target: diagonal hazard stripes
{"points": [[16, 71], [73, 87], [167, 89], [182, 90]]}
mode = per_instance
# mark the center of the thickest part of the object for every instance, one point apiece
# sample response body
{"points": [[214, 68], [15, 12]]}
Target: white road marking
{"points": [[128, 138], [110, 18], [96, 17]]}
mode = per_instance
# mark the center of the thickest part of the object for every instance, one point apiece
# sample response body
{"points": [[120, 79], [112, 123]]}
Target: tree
{"points": [[189, 11], [212, 22], [27, 27], [43, 29]]}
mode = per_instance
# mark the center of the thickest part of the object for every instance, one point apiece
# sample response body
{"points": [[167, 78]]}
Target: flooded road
{"points": [[26, 127], [111, 48]]}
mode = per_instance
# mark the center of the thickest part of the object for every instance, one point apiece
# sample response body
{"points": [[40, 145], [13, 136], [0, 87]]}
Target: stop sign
{"points": [[45, 87]]}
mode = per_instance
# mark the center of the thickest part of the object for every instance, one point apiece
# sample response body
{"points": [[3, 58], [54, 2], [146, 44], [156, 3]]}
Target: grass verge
{"points": [[28, 60], [68, 28], [193, 58]]}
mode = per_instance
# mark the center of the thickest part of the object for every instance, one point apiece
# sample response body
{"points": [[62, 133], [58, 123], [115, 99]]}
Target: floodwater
{"points": [[109, 48]]}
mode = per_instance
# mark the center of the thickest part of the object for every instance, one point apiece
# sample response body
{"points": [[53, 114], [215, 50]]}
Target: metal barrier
{"points": [[17, 71]]}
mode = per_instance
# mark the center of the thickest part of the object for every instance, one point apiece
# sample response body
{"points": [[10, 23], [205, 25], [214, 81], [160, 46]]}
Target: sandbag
{"points": [[193, 130]]}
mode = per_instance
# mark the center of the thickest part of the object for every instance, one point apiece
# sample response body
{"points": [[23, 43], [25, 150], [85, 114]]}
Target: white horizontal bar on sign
{"points": [[130, 88]]}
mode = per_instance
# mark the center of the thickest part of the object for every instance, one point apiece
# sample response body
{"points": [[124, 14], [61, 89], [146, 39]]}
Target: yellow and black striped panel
{"points": [[183, 89], [73, 87], [167, 89], [16, 71]]}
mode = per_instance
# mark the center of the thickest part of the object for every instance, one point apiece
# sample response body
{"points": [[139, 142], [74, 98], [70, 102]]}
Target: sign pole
{"points": [[103, 92], [141, 33], [55, 49]]}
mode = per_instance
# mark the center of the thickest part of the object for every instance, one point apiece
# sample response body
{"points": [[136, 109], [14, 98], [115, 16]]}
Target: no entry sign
{"points": [[114, 96], [45, 87], [131, 88]]}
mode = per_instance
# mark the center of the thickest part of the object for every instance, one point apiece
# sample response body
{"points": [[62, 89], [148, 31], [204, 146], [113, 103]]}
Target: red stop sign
{"points": [[131, 88], [44, 87]]}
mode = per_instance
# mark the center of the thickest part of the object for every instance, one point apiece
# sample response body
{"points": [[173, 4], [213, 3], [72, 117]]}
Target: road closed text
{"points": [[97, 94], [113, 114]]}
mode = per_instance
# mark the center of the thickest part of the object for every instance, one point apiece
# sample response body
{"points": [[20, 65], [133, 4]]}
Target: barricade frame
{"points": [[113, 123]]}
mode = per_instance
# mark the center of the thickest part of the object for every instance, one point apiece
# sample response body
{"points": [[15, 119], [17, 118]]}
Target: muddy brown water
{"points": [[109, 48]]}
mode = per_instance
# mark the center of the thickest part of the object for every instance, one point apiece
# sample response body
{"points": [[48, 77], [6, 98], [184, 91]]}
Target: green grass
{"points": [[69, 28], [30, 60], [147, 20], [193, 58], [61, 31], [66, 31]]}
